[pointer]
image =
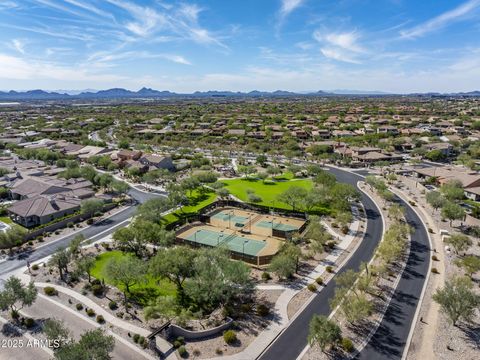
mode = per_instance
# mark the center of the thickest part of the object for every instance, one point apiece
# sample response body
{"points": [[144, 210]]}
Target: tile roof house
{"points": [[42, 209], [44, 199], [159, 162]]}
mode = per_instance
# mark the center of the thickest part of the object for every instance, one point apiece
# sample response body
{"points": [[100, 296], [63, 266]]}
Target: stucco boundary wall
{"points": [[176, 331]]}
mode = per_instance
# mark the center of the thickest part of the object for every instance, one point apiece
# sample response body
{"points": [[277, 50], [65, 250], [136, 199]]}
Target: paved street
{"points": [[94, 232], [389, 341]]}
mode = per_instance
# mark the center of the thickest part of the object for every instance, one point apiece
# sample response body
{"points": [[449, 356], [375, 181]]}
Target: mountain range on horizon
{"points": [[120, 93]]}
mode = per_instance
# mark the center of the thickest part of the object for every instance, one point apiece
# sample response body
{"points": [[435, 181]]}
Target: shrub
{"points": [[14, 314], [29, 322], [334, 225], [229, 337], [40, 238], [435, 271], [90, 312], [246, 308], [50, 291], [412, 203], [141, 340], [430, 230], [97, 290], [100, 319], [347, 345], [218, 351], [329, 269], [35, 267], [319, 280], [331, 244], [136, 337], [119, 314], [182, 351], [344, 229], [90, 221], [434, 258], [112, 305], [196, 352], [79, 306], [312, 287], [96, 282], [262, 310], [70, 224], [266, 276]]}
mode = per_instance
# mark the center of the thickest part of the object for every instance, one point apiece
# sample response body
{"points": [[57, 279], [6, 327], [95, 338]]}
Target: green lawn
{"points": [[6, 220], [268, 191], [142, 293], [197, 202]]}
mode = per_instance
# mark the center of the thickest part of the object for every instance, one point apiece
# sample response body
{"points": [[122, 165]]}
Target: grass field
{"points": [[268, 191], [6, 220], [142, 293], [197, 202]]}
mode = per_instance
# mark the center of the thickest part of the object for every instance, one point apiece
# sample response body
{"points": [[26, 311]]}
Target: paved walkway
{"points": [[164, 346], [263, 340]]}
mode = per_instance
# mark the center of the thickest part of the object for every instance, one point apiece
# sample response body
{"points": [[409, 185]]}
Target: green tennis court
{"points": [[238, 244], [234, 219], [276, 226]]}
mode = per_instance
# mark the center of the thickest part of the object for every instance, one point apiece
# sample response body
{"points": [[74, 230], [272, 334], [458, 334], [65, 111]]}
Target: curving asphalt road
{"points": [[94, 232], [389, 340]]}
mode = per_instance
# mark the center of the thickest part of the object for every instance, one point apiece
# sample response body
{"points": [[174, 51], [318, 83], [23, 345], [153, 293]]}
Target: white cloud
{"points": [[107, 59], [89, 7], [338, 54], [442, 20], [288, 6], [6, 4], [16, 68], [340, 46], [18, 45]]}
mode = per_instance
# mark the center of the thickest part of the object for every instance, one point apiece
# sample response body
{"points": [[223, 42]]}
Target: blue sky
{"points": [[298, 45]]}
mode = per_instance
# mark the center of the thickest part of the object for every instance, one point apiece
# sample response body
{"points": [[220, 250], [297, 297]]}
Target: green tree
{"points": [[175, 264], [470, 263], [452, 211], [75, 245], [93, 345], [283, 266], [126, 272], [91, 207], [396, 212], [452, 190], [85, 265], [55, 330], [457, 299], [323, 332], [261, 160], [60, 259], [293, 196], [459, 242], [152, 209], [15, 296], [14, 236], [435, 199], [217, 280]]}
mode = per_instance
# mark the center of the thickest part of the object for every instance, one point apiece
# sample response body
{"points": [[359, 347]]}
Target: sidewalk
{"points": [[163, 344]]}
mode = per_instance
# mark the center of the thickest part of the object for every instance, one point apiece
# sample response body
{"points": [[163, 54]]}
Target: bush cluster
{"points": [[230, 337], [50, 291]]}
